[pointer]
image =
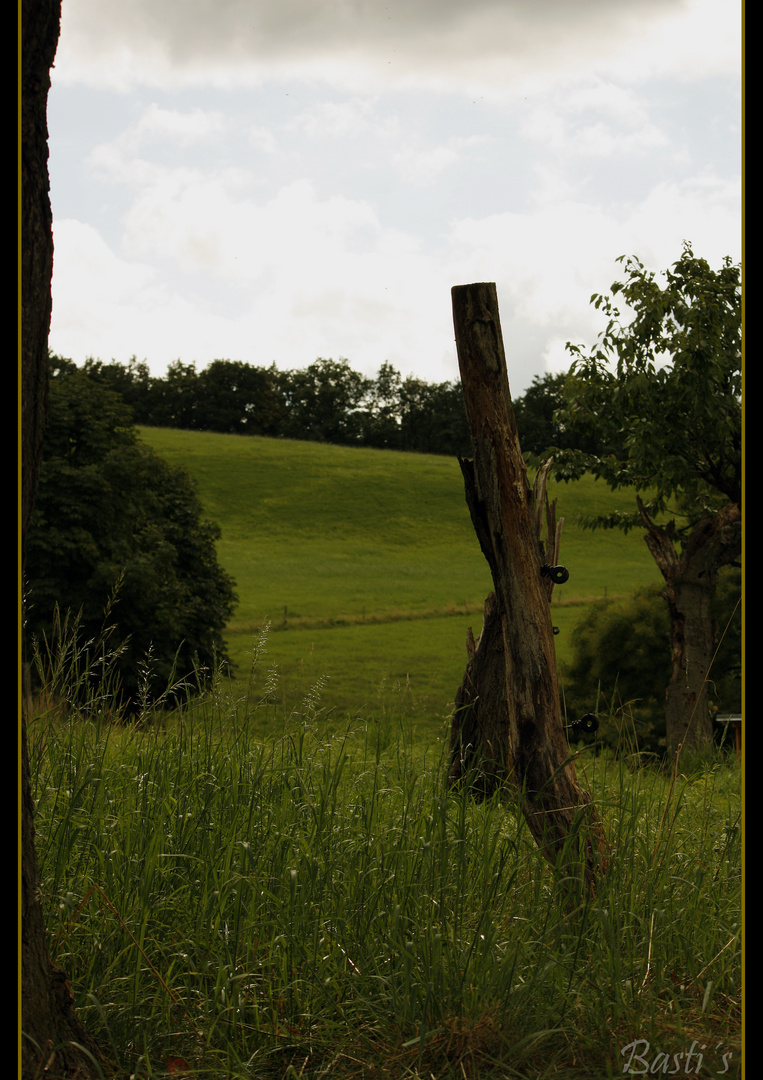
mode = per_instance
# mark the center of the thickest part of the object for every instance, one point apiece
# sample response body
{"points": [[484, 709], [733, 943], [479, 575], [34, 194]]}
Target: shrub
{"points": [[620, 668], [116, 527], [621, 665]]}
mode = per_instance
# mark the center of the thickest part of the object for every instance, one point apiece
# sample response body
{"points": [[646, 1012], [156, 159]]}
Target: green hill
{"points": [[365, 565]]}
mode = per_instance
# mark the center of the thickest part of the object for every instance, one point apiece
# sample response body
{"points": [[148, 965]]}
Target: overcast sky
{"points": [[277, 180]]}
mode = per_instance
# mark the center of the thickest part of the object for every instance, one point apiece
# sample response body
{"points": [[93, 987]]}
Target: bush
{"points": [[116, 527], [621, 665], [620, 669]]}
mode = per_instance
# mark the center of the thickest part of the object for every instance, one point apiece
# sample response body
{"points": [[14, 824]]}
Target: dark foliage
{"points": [[539, 420], [111, 514], [619, 670], [325, 402], [621, 665], [329, 402]]}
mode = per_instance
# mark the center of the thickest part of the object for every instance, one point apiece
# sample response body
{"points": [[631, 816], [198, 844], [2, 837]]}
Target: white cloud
{"points": [[420, 166], [706, 210], [116, 305], [489, 43], [593, 118], [697, 39], [339, 119], [184, 129], [309, 286], [262, 139], [548, 262], [299, 276], [109, 279]]}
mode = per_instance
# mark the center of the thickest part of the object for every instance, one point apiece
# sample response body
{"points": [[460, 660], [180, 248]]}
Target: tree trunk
{"points": [[40, 21], [508, 719], [691, 578], [52, 1036]]}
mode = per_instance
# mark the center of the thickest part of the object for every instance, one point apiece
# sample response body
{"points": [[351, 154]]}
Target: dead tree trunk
{"points": [[508, 723]]}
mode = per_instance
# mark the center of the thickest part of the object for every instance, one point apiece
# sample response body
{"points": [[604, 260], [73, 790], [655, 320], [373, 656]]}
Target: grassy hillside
{"points": [[365, 565]]}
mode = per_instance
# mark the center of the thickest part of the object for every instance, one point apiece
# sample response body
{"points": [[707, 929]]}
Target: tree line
{"points": [[325, 402]]}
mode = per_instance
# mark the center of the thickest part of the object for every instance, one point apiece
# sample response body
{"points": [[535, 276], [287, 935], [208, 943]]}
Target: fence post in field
{"points": [[507, 727]]}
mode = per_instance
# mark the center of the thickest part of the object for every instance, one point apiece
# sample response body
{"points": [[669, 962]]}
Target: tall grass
{"points": [[259, 893]]}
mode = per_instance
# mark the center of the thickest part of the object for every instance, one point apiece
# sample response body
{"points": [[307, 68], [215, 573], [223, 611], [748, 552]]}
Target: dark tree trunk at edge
{"points": [[508, 722], [49, 1025]]}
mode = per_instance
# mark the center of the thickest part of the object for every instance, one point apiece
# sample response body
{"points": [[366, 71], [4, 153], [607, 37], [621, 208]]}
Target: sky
{"points": [[275, 181]]}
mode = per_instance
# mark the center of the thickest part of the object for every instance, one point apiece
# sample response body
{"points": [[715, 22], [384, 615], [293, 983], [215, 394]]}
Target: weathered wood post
{"points": [[507, 726]]}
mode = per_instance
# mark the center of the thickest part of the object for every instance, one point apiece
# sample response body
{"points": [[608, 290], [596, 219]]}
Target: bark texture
{"points": [[53, 1042], [40, 22], [691, 576], [508, 721], [479, 732]]}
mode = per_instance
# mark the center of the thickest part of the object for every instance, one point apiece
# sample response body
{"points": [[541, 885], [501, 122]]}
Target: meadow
{"points": [[366, 568], [273, 881], [315, 904]]}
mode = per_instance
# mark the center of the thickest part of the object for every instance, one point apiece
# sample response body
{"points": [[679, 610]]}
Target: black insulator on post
{"points": [[588, 723], [558, 574]]}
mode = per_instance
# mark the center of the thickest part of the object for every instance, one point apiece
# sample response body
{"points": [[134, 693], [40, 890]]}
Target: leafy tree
{"points": [[324, 402], [111, 514], [239, 398], [176, 401], [539, 423], [534, 412], [381, 418], [433, 418], [133, 382], [663, 387]]}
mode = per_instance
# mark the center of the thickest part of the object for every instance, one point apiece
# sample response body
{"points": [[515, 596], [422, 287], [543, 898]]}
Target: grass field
{"points": [[273, 882], [316, 906], [365, 565]]}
